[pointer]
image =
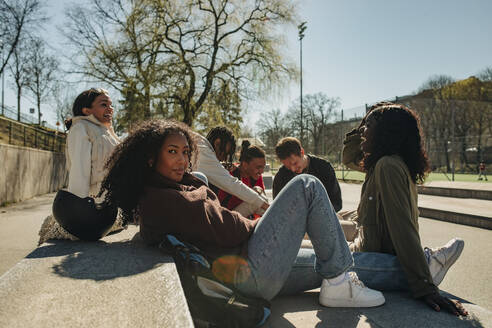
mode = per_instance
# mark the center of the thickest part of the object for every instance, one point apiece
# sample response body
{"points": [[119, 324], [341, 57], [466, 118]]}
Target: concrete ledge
{"points": [[117, 282], [460, 218], [455, 192]]}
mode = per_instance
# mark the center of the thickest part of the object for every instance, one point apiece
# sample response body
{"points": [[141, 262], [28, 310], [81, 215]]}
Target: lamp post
{"points": [[302, 27], [3, 83]]}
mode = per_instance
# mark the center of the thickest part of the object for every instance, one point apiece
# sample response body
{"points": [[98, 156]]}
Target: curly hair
{"points": [[129, 165], [398, 132], [226, 136]]}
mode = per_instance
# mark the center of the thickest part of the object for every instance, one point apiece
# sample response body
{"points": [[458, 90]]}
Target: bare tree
{"points": [[320, 109], [41, 69], [19, 73], [180, 51], [62, 99], [17, 19], [486, 74], [454, 116], [436, 116], [436, 82], [273, 126]]}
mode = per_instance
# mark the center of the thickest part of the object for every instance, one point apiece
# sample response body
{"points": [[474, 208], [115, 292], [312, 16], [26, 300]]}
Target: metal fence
{"points": [[11, 113], [20, 134]]}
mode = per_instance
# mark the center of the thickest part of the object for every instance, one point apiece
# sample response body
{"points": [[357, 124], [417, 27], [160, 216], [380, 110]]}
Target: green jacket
{"points": [[388, 215]]}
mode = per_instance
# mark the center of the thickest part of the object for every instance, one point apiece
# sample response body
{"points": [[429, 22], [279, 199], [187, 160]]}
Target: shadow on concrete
{"points": [[400, 310], [99, 260]]}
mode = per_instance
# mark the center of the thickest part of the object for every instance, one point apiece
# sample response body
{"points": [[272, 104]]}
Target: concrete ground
{"points": [[20, 224], [468, 279]]}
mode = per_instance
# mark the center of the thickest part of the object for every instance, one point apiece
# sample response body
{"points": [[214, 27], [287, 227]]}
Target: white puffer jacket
{"points": [[89, 145]]}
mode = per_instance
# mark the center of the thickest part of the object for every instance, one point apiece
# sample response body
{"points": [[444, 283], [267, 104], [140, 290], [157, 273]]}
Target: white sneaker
{"points": [[351, 292], [442, 258]]}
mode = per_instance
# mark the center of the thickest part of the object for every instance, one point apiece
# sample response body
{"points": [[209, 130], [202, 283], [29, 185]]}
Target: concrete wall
{"points": [[27, 172]]}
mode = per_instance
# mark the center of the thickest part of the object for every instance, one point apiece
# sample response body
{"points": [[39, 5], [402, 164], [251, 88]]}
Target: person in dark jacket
{"points": [[148, 177], [290, 152]]}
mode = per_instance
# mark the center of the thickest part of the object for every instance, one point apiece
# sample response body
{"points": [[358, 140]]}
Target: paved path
{"points": [[469, 278], [20, 224]]}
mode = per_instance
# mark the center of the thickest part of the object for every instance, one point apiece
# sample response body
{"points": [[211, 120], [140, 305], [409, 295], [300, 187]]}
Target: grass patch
{"points": [[359, 176]]}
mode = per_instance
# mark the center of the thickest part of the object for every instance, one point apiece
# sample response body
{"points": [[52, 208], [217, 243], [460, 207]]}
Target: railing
{"points": [[20, 134], [11, 113]]}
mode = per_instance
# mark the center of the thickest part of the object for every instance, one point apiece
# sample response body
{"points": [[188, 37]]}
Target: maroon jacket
{"points": [[192, 212]]}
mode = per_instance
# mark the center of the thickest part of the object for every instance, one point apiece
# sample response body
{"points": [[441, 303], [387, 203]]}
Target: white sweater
{"points": [[89, 145], [208, 164]]}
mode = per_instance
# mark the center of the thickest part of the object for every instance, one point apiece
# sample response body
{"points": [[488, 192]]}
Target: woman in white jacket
{"points": [[90, 142], [219, 147]]}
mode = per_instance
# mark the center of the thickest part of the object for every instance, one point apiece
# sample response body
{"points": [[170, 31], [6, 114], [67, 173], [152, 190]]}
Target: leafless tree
{"points": [[18, 71], [436, 116], [273, 126], [486, 74], [179, 51], [319, 110], [41, 71], [62, 99], [17, 19]]}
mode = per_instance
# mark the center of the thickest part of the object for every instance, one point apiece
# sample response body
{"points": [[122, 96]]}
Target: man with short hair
{"points": [[295, 161]]}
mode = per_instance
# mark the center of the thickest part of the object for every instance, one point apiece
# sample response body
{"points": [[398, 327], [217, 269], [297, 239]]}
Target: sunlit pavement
{"points": [[468, 279]]}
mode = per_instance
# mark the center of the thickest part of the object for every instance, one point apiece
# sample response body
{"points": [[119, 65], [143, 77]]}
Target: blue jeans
{"points": [[276, 264]]}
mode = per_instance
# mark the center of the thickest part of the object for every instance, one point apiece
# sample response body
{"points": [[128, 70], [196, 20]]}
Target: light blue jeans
{"points": [[200, 176], [276, 262]]}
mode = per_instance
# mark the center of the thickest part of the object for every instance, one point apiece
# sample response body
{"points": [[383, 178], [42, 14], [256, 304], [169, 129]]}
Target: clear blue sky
{"points": [[368, 50]]}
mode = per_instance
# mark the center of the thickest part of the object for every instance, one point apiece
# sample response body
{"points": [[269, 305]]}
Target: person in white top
{"points": [[208, 162], [90, 142]]}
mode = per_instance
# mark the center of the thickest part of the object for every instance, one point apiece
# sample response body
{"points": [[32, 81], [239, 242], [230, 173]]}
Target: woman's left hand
{"points": [[438, 302]]}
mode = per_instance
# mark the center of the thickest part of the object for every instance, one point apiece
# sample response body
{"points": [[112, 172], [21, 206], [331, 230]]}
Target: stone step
{"points": [[455, 192], [459, 218], [116, 282]]}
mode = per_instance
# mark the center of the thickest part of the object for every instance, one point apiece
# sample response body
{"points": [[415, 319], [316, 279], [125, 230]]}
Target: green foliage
{"points": [[455, 116], [223, 107], [171, 56]]}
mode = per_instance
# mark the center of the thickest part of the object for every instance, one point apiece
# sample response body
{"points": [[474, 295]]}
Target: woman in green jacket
{"points": [[388, 147]]}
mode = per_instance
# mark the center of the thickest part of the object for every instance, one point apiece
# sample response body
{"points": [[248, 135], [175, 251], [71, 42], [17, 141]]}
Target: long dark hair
{"points": [[84, 100], [398, 132], [226, 136], [249, 152], [129, 165]]}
